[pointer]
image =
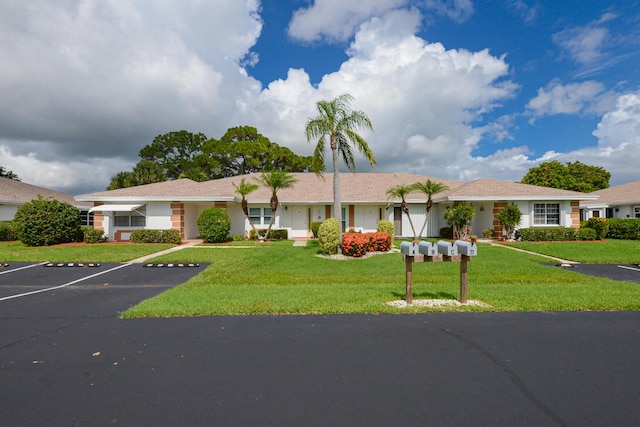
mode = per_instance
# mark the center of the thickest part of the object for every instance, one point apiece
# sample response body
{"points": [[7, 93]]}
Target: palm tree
{"points": [[244, 189], [429, 188], [121, 180], [401, 191], [338, 123], [275, 180]]}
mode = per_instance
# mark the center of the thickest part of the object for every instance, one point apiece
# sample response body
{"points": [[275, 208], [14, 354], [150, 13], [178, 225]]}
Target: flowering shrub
{"points": [[358, 244]]}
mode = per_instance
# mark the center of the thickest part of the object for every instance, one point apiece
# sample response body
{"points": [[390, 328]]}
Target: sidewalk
{"points": [[186, 244], [560, 260]]}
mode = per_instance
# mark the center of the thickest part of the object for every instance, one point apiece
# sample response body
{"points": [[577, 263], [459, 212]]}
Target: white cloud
{"points": [[336, 20], [573, 98], [585, 45], [456, 10]]}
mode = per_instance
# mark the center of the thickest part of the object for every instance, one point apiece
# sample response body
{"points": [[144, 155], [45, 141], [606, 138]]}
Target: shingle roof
{"points": [[18, 193], [625, 194], [354, 188]]}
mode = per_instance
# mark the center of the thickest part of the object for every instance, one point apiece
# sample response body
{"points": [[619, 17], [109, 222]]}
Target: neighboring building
{"points": [[177, 204], [621, 201], [14, 194]]}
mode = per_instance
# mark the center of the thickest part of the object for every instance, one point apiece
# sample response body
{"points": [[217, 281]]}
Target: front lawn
{"points": [[282, 279], [97, 252], [597, 251]]}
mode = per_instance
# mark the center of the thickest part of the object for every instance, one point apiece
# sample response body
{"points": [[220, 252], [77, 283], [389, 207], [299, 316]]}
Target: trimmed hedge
{"points": [[624, 228], [556, 234], [358, 244], [214, 225], [274, 234], [7, 232], [601, 225], [329, 236], [385, 226], [92, 235], [156, 236]]}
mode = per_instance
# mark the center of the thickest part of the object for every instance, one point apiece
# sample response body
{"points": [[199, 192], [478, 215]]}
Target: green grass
{"points": [[599, 251], [282, 279], [99, 252]]}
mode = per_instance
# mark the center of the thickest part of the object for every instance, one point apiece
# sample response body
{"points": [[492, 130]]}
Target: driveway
{"points": [[67, 359], [621, 272]]}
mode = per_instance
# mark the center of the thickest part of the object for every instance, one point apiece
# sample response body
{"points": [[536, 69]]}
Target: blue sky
{"points": [[457, 89]]}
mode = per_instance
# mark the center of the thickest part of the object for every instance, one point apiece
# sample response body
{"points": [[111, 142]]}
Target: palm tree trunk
{"points": [[337, 204], [405, 209]]}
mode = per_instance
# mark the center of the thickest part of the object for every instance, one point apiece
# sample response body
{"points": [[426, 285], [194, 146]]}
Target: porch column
{"points": [[497, 226], [575, 214], [177, 217]]}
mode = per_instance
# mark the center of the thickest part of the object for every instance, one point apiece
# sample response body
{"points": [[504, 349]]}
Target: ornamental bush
{"points": [[214, 225], [274, 234], [93, 235], [329, 236], [358, 244], [624, 228], [44, 222], [601, 225], [155, 236], [386, 227], [556, 234], [7, 231], [315, 226]]}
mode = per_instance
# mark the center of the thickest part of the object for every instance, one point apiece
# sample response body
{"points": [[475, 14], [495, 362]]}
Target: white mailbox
{"points": [[466, 248], [409, 248], [428, 249], [447, 248]]}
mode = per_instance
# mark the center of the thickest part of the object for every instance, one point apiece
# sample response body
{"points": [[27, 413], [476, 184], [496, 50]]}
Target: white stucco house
{"points": [[14, 194], [621, 201], [177, 204]]}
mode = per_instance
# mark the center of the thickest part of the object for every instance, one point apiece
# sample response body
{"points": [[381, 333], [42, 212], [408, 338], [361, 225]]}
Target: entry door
{"points": [[397, 220]]}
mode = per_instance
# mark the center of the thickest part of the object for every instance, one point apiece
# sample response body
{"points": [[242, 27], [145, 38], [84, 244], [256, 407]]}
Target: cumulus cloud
{"points": [[588, 97], [456, 10]]}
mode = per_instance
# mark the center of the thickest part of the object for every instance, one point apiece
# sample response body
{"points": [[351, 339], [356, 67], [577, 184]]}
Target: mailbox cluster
{"points": [[443, 247]]}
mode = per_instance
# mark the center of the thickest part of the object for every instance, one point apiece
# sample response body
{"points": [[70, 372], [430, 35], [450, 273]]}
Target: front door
{"points": [[397, 220]]}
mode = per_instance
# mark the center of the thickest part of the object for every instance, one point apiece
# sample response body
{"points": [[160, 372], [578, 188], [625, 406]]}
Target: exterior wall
{"points": [[621, 211], [7, 212]]}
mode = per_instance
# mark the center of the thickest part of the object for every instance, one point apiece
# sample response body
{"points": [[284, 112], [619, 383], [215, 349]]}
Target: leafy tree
{"points": [[243, 150], [244, 189], [8, 174], [147, 172], [509, 217], [429, 188], [337, 125], [176, 152], [460, 216], [275, 180], [44, 222], [401, 191], [574, 176]]}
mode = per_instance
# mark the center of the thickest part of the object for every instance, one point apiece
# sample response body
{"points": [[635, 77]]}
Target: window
{"points": [[546, 214], [260, 216], [636, 212], [86, 218], [344, 219], [135, 218]]}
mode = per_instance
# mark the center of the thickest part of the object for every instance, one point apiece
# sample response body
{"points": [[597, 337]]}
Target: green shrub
{"points": [[214, 225], [315, 226], [93, 235], [7, 231], [237, 237], [329, 236], [385, 226], [556, 234], [509, 217], [624, 228], [44, 222], [601, 225], [277, 234], [155, 236]]}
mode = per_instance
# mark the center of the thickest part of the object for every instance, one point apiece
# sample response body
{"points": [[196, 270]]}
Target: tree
{"points": [[121, 180], [401, 191], [176, 152], [147, 172], [243, 150], [429, 188], [275, 180], [8, 174], [574, 176], [509, 217], [338, 124], [244, 189], [460, 216]]}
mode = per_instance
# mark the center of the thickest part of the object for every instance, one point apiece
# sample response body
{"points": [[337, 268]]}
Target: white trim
{"points": [[115, 208]]}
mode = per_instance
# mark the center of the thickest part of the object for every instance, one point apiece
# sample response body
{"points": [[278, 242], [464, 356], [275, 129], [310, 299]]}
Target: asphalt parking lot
{"points": [[621, 272], [66, 358]]}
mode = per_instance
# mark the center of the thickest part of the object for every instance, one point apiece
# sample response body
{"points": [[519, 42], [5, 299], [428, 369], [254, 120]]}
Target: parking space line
{"points": [[21, 268], [65, 285], [629, 268]]}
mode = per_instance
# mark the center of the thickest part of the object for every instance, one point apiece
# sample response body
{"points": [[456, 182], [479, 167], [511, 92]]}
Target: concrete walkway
{"points": [[560, 260], [186, 244]]}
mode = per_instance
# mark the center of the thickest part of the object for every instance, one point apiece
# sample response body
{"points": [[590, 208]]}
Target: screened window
{"points": [[260, 216], [636, 211], [86, 218], [546, 214], [135, 218]]}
